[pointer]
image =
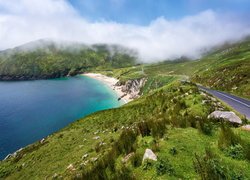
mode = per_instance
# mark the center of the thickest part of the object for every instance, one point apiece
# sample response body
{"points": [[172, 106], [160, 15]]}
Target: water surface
{"points": [[31, 110]]}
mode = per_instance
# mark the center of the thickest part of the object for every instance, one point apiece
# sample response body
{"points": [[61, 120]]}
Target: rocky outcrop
{"points": [[149, 154], [132, 87], [226, 115], [14, 154], [127, 157]]}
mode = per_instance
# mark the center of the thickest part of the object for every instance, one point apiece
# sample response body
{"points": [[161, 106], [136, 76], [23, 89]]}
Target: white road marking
{"points": [[234, 99]]}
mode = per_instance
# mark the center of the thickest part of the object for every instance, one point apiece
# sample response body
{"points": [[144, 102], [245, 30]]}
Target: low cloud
{"points": [[22, 21]]}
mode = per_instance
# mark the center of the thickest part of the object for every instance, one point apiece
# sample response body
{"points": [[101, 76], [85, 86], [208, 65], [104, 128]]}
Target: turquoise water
{"points": [[31, 110]]}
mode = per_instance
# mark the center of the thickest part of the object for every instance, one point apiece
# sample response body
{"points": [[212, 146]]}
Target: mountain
{"points": [[48, 59]]}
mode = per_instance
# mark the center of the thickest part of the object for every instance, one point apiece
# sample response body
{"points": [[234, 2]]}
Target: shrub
{"points": [[155, 145], [164, 167], [136, 159], [143, 128], [147, 164], [126, 141], [247, 150], [227, 138], [205, 126], [123, 173], [173, 151], [209, 167], [236, 152]]}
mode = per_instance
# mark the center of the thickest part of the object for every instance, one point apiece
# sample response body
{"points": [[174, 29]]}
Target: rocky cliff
{"points": [[132, 87]]}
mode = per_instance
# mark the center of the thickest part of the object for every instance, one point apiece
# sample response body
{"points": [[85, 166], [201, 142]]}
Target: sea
{"points": [[32, 110]]}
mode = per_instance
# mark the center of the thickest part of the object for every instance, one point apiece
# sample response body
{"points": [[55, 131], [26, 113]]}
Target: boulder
{"points": [[149, 154], [246, 127], [226, 115]]}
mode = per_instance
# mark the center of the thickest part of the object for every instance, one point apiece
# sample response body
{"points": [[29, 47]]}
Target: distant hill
{"points": [[48, 59], [225, 68]]}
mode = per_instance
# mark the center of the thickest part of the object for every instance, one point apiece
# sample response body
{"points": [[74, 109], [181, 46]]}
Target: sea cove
{"points": [[31, 110]]}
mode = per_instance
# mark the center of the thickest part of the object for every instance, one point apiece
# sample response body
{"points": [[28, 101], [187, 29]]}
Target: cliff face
{"points": [[132, 87]]}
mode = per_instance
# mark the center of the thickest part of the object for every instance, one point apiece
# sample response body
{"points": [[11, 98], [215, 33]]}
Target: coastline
{"points": [[111, 83]]}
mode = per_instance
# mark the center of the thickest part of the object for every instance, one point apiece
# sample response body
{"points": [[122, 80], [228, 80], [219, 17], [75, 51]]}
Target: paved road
{"points": [[239, 104]]}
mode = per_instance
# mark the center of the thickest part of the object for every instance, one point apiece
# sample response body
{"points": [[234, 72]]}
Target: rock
{"points": [[122, 96], [149, 155], [132, 87], [246, 127], [42, 140], [226, 115], [55, 175], [71, 167], [85, 156], [96, 137], [94, 159], [213, 99], [126, 158], [8, 156]]}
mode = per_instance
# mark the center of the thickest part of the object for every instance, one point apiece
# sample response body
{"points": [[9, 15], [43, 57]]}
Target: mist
{"points": [[22, 21]]}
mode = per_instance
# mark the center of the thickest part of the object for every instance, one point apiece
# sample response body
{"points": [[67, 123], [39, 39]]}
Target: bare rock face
{"points": [[226, 115], [149, 155], [132, 87]]}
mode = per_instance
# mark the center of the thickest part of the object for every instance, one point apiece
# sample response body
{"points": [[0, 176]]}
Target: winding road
{"points": [[239, 104]]}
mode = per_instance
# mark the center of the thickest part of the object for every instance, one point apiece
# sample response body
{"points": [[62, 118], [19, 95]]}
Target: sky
{"points": [[144, 11], [157, 29]]}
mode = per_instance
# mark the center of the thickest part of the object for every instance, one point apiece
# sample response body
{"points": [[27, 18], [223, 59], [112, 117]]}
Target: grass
{"points": [[168, 118]]}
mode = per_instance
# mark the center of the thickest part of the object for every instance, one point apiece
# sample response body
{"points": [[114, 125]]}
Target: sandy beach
{"points": [[111, 82]]}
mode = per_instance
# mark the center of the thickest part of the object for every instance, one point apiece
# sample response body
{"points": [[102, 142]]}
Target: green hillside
{"points": [[172, 121], [226, 68], [45, 59], [170, 118]]}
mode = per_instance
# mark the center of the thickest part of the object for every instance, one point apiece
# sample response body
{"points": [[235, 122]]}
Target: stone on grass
{"points": [[226, 115], [149, 154], [71, 167], [246, 127], [96, 137], [126, 158], [85, 156]]}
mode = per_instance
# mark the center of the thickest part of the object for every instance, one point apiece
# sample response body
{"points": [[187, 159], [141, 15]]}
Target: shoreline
{"points": [[111, 83]]}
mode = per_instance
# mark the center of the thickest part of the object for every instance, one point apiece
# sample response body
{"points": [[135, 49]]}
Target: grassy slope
{"points": [[176, 109], [171, 110], [226, 69]]}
